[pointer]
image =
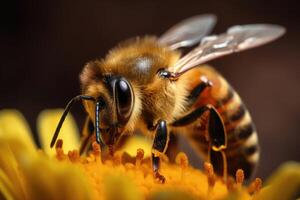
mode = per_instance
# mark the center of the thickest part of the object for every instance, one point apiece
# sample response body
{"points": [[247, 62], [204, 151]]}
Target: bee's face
{"points": [[117, 98]]}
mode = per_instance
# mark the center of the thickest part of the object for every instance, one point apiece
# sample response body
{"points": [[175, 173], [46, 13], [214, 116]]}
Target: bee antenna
{"points": [[66, 111]]}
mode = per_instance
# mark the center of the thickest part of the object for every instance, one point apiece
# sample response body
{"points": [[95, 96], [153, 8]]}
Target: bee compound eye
{"points": [[124, 100]]}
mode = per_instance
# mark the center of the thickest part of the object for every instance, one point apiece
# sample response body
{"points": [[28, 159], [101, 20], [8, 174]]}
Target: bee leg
{"points": [[218, 140], [219, 160], [160, 144], [216, 132], [155, 165], [195, 93], [87, 133], [191, 117], [216, 129]]}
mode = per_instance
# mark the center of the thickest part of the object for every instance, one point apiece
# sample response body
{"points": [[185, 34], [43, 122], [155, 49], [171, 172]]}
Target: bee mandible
{"points": [[147, 84]]}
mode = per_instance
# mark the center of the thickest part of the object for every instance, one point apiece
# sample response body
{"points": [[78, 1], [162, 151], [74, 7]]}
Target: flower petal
{"points": [[46, 125], [48, 179], [283, 184], [171, 194], [126, 189], [14, 125], [27, 174], [6, 187], [10, 167]]}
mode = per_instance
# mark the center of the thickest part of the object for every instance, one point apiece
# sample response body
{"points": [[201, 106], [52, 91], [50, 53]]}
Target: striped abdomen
{"points": [[242, 143]]}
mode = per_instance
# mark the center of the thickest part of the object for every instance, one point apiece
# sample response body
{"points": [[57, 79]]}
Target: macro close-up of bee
{"points": [[148, 84]]}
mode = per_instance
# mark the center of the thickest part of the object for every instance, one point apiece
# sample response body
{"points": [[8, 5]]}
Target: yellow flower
{"points": [[60, 173], [27, 173]]}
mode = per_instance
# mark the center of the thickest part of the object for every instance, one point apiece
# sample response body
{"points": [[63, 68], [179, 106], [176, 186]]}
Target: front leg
{"points": [[160, 144]]}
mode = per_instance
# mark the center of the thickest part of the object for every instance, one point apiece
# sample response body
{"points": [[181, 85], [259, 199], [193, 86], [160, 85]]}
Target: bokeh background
{"points": [[44, 45]]}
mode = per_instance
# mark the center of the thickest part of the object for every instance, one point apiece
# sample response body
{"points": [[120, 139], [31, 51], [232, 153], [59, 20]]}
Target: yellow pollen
{"points": [[179, 176]]}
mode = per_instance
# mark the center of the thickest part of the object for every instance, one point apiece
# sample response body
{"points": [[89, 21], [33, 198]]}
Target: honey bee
{"points": [[147, 84]]}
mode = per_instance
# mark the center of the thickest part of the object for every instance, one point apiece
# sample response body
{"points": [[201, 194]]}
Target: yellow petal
{"points": [[10, 167], [171, 194], [126, 190], [239, 195], [283, 184], [26, 174], [14, 126], [6, 187], [46, 125], [48, 179]]}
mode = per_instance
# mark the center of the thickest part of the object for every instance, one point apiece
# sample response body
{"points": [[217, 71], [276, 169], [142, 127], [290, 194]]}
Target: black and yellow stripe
{"points": [[242, 143]]}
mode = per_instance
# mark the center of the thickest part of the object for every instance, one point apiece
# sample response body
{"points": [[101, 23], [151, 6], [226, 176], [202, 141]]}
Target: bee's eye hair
{"points": [[124, 100]]}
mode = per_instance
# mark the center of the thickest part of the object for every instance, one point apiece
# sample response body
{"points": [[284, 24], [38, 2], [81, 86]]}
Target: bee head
{"points": [[115, 97], [117, 112]]}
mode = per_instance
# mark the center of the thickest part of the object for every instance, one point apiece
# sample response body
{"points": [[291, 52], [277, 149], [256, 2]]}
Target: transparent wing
{"points": [[189, 31], [237, 38]]}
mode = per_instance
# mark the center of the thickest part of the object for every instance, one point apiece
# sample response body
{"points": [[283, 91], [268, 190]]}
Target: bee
{"points": [[147, 84]]}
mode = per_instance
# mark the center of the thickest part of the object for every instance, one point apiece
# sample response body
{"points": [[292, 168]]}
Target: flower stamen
{"points": [[74, 155], [96, 152], [140, 167], [182, 160], [239, 177], [211, 177], [117, 158], [255, 186], [139, 157], [60, 155]]}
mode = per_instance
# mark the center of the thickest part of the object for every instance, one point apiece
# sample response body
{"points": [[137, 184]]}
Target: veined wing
{"points": [[236, 39], [189, 31]]}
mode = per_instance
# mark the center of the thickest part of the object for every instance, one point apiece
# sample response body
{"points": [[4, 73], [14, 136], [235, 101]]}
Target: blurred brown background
{"points": [[44, 45]]}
